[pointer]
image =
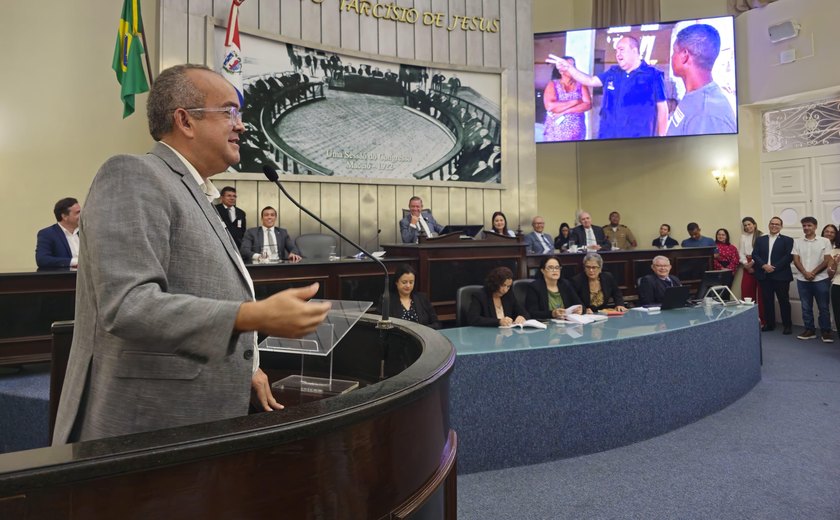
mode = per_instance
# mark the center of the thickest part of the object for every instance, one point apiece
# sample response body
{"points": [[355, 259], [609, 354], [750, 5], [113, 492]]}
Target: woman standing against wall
{"points": [[749, 284]]}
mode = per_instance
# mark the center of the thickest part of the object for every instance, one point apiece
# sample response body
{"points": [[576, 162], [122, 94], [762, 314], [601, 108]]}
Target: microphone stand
{"points": [[384, 323]]}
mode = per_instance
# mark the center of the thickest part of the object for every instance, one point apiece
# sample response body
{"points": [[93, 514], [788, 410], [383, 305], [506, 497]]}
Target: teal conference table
{"points": [[524, 396]]}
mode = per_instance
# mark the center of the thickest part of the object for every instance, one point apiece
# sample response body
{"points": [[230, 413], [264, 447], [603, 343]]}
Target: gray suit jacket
{"points": [[157, 294], [535, 245]]}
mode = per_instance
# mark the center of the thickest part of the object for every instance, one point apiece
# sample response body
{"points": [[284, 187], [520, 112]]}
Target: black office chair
{"points": [[462, 302], [315, 245], [520, 288]]}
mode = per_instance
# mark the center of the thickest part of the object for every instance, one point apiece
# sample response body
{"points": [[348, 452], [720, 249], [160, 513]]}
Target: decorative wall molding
{"points": [[801, 126]]}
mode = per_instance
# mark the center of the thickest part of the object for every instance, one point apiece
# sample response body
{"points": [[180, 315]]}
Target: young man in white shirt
{"points": [[811, 257]]}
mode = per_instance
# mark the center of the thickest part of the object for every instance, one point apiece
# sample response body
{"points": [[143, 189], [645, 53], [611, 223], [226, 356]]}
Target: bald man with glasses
{"points": [[652, 287]]}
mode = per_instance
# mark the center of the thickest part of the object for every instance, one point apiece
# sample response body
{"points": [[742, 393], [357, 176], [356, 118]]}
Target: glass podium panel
{"points": [[340, 319]]}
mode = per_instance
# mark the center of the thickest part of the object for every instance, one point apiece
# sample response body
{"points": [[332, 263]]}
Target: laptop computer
{"points": [[675, 297], [465, 229]]}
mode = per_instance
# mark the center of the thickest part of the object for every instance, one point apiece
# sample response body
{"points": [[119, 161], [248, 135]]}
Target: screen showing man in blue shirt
{"points": [[633, 102]]}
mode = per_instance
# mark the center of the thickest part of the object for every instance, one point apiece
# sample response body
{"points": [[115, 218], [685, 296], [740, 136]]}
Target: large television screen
{"points": [[639, 81]]}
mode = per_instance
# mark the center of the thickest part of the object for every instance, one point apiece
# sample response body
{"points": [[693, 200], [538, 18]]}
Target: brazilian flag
{"points": [[127, 61]]}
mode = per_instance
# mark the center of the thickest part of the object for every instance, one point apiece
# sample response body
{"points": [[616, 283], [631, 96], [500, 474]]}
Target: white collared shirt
{"points": [[421, 224], [746, 247], [770, 241], [207, 187], [210, 191], [73, 241], [811, 253], [544, 241], [268, 233], [590, 237]]}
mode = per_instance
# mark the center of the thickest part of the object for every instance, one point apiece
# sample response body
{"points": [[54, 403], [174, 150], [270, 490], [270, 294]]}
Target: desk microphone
{"points": [[385, 323]]}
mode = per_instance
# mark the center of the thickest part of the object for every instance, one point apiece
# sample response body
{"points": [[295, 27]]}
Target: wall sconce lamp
{"points": [[721, 177]]}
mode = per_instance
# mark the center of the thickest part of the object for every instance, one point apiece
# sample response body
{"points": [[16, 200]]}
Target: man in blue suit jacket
{"points": [[772, 255], [58, 245]]}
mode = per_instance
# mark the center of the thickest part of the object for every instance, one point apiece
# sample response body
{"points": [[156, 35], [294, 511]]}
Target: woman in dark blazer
{"points": [[596, 289], [496, 306], [548, 295], [406, 304]]}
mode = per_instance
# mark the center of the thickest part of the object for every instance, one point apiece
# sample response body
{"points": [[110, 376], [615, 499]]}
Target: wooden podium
{"points": [[384, 450], [447, 262]]}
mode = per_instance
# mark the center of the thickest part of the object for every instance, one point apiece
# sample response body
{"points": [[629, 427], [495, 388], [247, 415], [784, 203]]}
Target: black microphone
{"points": [[385, 322]]}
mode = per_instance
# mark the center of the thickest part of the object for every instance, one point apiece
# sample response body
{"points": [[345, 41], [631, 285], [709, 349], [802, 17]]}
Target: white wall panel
{"points": [[361, 208], [270, 16]]}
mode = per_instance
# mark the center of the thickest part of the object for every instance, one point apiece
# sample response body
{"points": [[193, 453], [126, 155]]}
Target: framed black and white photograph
{"points": [[313, 111]]}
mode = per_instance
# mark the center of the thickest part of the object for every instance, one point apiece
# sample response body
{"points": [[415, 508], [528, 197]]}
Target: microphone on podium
{"points": [[385, 322]]}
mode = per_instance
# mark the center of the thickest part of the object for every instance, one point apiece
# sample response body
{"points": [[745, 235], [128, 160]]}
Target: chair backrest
{"points": [[520, 287], [315, 245], [462, 302]]}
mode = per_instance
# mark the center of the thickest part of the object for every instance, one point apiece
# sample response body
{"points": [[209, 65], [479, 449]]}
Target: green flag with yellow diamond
{"points": [[127, 56]]}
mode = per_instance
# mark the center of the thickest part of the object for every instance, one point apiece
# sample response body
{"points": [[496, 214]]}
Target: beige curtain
{"points": [[611, 13], [737, 7]]}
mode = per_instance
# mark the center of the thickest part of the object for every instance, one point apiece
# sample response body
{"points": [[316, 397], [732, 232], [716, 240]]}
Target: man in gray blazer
{"points": [[256, 240], [538, 242], [165, 311]]}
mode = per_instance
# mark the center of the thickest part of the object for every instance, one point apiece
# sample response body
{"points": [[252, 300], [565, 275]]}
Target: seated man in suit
{"points": [[538, 242], [652, 287], [664, 240], [233, 217], [268, 242], [588, 235], [695, 239], [58, 245], [416, 221]]}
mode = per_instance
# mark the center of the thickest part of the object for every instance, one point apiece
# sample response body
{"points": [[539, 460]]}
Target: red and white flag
{"points": [[232, 61]]}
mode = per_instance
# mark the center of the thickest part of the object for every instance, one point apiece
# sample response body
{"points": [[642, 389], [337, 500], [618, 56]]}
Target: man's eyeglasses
{"points": [[234, 112], [662, 266]]}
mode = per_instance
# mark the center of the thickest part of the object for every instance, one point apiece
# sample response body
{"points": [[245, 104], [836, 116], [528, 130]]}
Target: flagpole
{"points": [[146, 53]]}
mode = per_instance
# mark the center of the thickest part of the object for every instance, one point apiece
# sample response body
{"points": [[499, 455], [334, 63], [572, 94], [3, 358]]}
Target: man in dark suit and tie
{"points": [[274, 241], [233, 217], [58, 245], [664, 240], [652, 287], [772, 255], [537, 242], [592, 237]]}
